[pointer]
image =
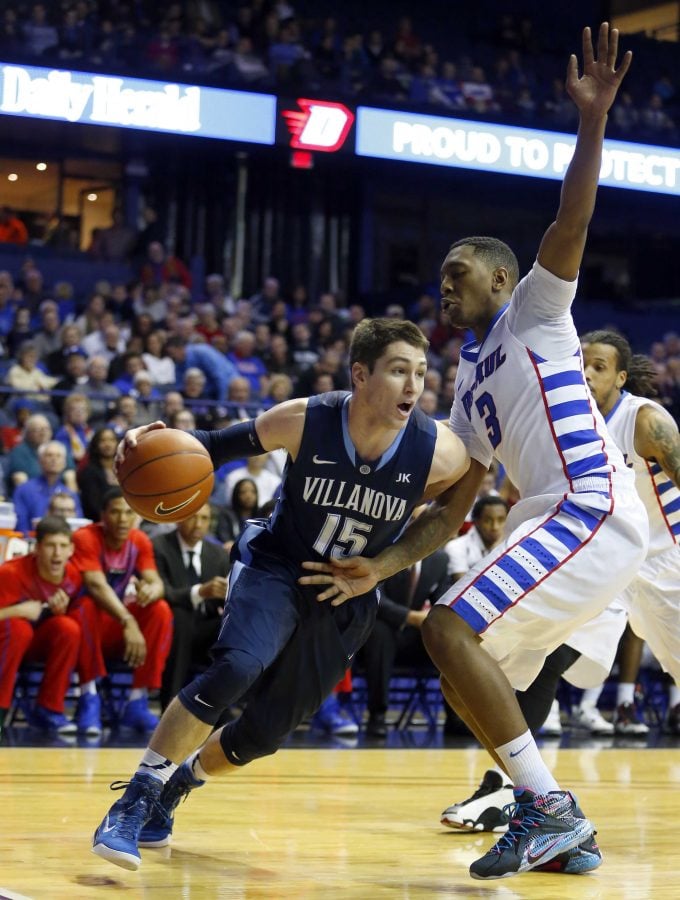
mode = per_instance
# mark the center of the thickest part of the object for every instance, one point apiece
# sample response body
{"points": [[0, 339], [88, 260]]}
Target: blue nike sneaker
{"points": [[117, 837], [540, 827], [158, 830]]}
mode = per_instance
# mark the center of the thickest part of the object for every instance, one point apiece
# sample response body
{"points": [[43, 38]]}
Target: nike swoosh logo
{"points": [[517, 752], [533, 858], [323, 462], [162, 510], [197, 698], [107, 827]]}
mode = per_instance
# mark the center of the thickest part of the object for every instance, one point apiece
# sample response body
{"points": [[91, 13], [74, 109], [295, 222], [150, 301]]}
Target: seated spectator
{"points": [[65, 506], [625, 114], [27, 376], [655, 122], [70, 340], [11, 433], [240, 399], [47, 338], [478, 93], [163, 268], [173, 402], [194, 572], [107, 341], [130, 364], [38, 623], [256, 468], [149, 398], [217, 294], [278, 360], [33, 496], [218, 370], [489, 515], [7, 303], [75, 378], [404, 604], [247, 67], [280, 389], [97, 475], [12, 229], [207, 324], [183, 419], [22, 461], [126, 414], [75, 432], [242, 505], [100, 393], [151, 300], [31, 287], [197, 399], [134, 623], [267, 297]]}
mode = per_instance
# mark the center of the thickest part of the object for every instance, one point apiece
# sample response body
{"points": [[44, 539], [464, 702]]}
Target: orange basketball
{"points": [[168, 476]]}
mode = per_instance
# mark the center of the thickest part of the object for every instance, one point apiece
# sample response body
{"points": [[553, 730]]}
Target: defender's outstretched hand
{"points": [[594, 92], [345, 578]]}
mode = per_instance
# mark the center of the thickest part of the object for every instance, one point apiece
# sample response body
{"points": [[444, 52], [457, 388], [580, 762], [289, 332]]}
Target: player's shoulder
{"points": [[88, 536], [139, 538], [18, 566]]}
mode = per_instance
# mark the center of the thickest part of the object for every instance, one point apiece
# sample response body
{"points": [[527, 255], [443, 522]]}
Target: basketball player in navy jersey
{"points": [[521, 396], [358, 464]]}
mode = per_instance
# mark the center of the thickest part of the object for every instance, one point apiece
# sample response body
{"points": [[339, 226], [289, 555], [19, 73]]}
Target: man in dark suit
{"points": [[404, 605], [194, 572]]}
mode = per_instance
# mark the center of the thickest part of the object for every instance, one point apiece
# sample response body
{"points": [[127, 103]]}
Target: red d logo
{"points": [[321, 125]]}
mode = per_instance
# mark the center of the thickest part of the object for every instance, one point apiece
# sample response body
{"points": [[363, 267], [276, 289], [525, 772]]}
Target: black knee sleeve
{"points": [[225, 682], [536, 701], [242, 743]]}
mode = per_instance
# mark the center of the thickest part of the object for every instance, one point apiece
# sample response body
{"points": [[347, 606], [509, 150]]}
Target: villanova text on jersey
{"points": [[333, 503]]}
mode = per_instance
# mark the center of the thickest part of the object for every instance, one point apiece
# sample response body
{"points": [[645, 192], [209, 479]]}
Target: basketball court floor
{"points": [[334, 819]]}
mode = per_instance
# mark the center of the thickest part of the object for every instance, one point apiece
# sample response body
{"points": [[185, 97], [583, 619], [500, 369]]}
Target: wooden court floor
{"points": [[331, 824]]}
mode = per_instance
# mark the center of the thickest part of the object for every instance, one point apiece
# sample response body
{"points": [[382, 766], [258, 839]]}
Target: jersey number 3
{"points": [[341, 537], [487, 411]]}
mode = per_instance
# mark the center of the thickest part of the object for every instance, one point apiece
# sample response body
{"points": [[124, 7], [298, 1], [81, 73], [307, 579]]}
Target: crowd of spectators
{"points": [[505, 69]]}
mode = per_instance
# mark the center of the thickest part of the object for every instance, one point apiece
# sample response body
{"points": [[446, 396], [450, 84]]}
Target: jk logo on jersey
{"points": [[404, 478]]}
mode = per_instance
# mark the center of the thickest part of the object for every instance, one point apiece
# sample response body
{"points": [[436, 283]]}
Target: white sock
{"points": [[137, 694], [673, 696], [156, 765], [194, 764], [590, 697], [90, 687], [525, 764], [625, 693]]}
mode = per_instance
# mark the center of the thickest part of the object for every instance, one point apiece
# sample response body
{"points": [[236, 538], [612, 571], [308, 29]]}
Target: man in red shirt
{"points": [[12, 229], [38, 622], [119, 573]]}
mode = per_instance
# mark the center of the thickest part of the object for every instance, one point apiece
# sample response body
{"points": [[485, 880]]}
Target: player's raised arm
{"points": [[593, 92]]}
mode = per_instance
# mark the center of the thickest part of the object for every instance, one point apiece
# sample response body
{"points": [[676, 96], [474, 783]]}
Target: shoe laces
{"points": [[521, 818], [128, 824]]}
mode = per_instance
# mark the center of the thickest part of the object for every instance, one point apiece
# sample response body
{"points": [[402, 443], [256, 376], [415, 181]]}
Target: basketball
{"points": [[167, 477]]}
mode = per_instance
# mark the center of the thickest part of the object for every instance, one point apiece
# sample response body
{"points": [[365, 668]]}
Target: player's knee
{"points": [[243, 741], [225, 682], [444, 633], [162, 613], [561, 659], [70, 631]]}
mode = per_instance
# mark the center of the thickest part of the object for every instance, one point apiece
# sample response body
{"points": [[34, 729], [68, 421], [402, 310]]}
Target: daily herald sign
{"points": [[92, 99], [410, 137]]}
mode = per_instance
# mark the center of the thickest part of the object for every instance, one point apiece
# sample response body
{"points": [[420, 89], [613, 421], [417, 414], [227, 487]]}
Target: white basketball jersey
{"points": [[658, 493], [521, 395]]}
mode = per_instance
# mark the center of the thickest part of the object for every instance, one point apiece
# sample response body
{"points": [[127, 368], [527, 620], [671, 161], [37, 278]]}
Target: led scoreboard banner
{"points": [[310, 126], [97, 99], [415, 138]]}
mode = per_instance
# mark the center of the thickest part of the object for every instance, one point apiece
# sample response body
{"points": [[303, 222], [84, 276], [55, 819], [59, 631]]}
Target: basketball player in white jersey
{"points": [[649, 439], [521, 396]]}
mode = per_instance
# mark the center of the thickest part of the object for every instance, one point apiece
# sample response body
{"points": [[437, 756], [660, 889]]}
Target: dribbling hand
{"points": [[130, 439]]}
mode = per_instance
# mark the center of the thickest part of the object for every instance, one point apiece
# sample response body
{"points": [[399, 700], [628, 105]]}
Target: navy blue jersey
{"points": [[334, 504]]}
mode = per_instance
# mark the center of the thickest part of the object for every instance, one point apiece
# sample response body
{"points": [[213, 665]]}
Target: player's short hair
{"points": [[494, 253], [486, 501], [640, 372], [113, 493], [372, 336], [52, 525]]}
